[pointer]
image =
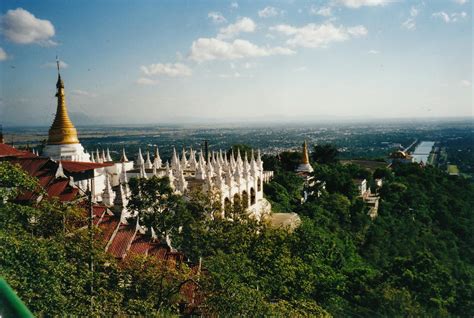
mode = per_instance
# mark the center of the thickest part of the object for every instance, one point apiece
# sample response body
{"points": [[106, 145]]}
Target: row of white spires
{"points": [[216, 158], [226, 174]]}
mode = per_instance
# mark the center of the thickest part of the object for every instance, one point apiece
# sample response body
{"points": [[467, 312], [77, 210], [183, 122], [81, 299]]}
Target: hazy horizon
{"points": [[236, 123], [147, 62]]}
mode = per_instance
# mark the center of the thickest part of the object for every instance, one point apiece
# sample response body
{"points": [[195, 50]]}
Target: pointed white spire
{"points": [[184, 161], [121, 202], [97, 156], [174, 159], [238, 174], [216, 162], [140, 161], [108, 195], [155, 172], [153, 234], [92, 157], [210, 170], [218, 173], [259, 161], [169, 174], [209, 178], [192, 159], [200, 172], [239, 158], [123, 174], [104, 158], [181, 183], [108, 157], [124, 156], [201, 158], [229, 179], [143, 172], [148, 163], [157, 160], [245, 167], [60, 171], [253, 166]]}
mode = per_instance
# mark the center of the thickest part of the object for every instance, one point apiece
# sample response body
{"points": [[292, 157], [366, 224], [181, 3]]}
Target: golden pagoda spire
{"points": [[305, 153], [62, 130]]}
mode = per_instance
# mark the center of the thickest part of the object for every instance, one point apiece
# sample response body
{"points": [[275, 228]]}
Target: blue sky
{"points": [[171, 61]]}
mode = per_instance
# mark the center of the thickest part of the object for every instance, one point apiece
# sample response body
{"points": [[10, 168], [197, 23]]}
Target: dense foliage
{"points": [[415, 259], [45, 255]]}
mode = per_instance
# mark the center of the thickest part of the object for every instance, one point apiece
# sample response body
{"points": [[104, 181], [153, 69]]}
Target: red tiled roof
{"points": [[158, 251], [76, 166], [108, 225], [44, 170], [9, 151], [99, 210], [122, 241], [140, 245]]}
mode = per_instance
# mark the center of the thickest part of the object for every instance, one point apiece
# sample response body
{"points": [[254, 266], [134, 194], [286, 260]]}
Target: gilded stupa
{"points": [[305, 166], [63, 143], [62, 130]]}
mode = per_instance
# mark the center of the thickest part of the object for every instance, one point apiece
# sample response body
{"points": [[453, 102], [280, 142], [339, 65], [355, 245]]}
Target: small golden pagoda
{"points": [[305, 166], [305, 153], [62, 130]]}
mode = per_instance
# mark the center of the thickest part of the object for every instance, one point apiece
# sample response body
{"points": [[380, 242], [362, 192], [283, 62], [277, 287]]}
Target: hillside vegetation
{"points": [[415, 259]]}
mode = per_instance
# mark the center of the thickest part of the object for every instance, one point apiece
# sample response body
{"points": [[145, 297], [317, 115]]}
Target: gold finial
{"points": [[305, 153], [62, 130]]}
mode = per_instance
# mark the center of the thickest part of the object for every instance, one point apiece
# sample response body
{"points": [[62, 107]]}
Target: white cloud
{"points": [[207, 49], [234, 5], [268, 12], [79, 92], [373, 52], [357, 31], [460, 1], [62, 64], [242, 25], [362, 3], [413, 11], [312, 35], [22, 27], [409, 24], [323, 11], [216, 17], [168, 69], [3, 54], [466, 83], [146, 81], [450, 18], [442, 15]]}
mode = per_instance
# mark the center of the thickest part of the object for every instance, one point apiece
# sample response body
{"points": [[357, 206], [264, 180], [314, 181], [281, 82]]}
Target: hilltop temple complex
{"points": [[236, 179]]}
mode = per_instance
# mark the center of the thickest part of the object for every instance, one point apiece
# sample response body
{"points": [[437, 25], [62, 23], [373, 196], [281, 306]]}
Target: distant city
{"points": [[357, 140]]}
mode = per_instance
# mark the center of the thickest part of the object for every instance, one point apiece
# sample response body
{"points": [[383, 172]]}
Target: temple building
{"points": [[234, 180], [63, 143]]}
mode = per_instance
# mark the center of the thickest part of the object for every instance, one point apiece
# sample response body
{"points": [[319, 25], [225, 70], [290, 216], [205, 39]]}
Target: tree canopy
{"points": [[415, 259]]}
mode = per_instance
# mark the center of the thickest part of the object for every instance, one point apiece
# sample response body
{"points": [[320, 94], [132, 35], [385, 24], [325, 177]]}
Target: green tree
{"points": [[325, 154], [158, 206]]}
